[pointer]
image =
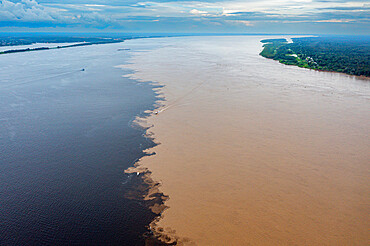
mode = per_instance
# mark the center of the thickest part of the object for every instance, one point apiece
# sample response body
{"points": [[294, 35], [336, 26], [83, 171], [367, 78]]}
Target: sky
{"points": [[187, 16]]}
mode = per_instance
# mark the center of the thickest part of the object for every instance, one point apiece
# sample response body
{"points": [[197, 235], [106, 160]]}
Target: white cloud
{"points": [[31, 11], [27, 10], [243, 22], [335, 21], [222, 12], [198, 12]]}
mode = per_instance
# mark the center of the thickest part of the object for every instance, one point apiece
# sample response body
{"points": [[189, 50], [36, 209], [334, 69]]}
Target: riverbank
{"points": [[252, 152], [347, 55], [59, 46]]}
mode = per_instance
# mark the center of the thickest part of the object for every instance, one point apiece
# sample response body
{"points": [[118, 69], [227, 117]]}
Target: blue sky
{"points": [[173, 16]]}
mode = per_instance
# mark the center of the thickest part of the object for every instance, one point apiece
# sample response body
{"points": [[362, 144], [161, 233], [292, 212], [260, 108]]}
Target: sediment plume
{"points": [[253, 152]]}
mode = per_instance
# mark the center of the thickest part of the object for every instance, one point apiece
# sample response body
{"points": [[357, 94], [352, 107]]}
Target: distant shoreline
{"points": [[321, 54], [58, 47], [362, 77]]}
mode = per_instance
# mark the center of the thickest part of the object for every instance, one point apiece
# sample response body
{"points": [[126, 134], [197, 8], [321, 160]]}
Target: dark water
{"points": [[65, 139]]}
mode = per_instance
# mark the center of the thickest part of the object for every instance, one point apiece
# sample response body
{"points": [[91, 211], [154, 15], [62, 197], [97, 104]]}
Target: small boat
{"points": [[83, 69]]}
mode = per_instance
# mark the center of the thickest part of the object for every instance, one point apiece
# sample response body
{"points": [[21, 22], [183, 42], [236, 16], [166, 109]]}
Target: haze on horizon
{"points": [[184, 16]]}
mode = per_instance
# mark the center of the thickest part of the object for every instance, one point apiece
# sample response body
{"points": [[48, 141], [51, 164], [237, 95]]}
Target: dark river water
{"points": [[66, 137]]}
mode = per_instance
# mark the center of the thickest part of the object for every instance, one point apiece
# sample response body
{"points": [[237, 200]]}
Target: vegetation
{"points": [[82, 41], [350, 55], [58, 47], [16, 39]]}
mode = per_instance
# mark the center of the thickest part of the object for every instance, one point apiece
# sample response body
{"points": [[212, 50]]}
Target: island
{"points": [[345, 54], [66, 41], [15, 41]]}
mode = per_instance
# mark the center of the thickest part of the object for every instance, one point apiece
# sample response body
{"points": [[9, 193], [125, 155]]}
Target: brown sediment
{"points": [[143, 189], [259, 153], [360, 77]]}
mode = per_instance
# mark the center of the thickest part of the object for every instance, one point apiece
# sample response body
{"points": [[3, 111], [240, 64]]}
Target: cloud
{"points": [[30, 12], [184, 15], [198, 12], [335, 21], [243, 22], [26, 10], [93, 18]]}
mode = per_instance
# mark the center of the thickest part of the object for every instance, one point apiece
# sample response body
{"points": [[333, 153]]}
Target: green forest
{"points": [[350, 55]]}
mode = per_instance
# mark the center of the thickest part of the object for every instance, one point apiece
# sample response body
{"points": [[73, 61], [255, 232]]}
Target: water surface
{"points": [[66, 137], [254, 152]]}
